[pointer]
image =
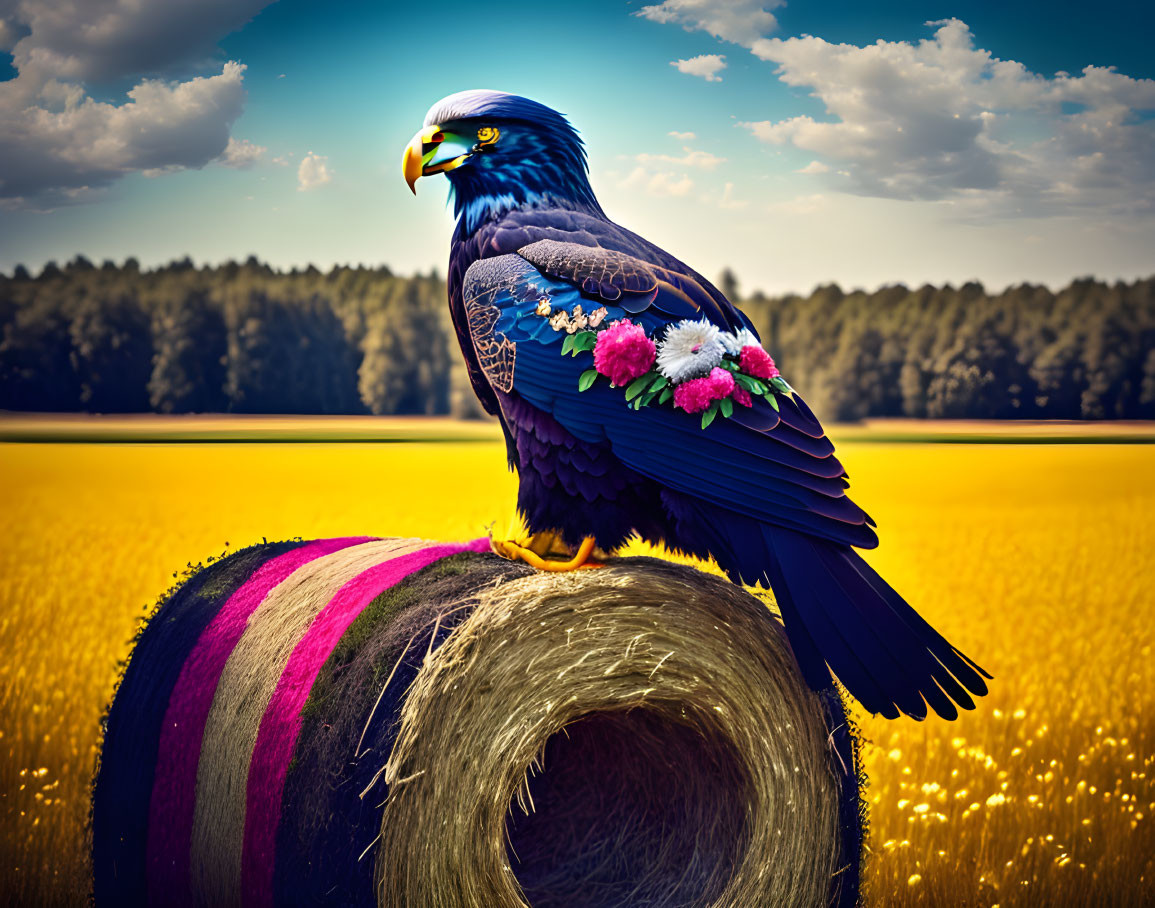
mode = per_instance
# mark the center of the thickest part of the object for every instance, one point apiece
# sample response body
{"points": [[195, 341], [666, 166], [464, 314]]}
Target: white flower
{"points": [[689, 349], [736, 341]]}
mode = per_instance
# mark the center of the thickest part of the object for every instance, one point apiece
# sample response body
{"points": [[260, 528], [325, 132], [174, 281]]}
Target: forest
{"points": [[245, 338]]}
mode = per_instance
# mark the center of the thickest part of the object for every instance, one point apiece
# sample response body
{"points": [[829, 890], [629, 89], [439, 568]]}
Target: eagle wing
{"points": [[762, 491], [775, 466]]}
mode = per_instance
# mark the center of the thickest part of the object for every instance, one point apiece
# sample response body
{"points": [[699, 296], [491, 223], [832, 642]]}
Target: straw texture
{"points": [[123, 786], [399, 722], [281, 724], [685, 701], [331, 806], [242, 696], [174, 787]]}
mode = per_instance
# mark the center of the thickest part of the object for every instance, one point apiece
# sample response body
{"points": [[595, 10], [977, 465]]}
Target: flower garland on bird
{"points": [[694, 365]]}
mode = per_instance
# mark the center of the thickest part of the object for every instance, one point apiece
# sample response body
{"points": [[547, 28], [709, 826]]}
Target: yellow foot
{"points": [[532, 550]]}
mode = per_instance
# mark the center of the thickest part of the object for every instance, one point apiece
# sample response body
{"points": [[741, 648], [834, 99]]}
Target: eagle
{"points": [[638, 401]]}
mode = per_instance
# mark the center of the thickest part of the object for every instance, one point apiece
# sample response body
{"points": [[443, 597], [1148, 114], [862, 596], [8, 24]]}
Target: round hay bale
{"points": [[399, 722]]}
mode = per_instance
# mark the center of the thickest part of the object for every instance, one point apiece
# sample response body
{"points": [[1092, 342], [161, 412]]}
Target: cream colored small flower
{"points": [[597, 316], [544, 308]]}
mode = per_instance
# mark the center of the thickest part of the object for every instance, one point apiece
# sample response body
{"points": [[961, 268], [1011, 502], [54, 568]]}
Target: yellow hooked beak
{"points": [[432, 151]]}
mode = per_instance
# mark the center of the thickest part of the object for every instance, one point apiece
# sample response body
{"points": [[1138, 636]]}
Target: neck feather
{"points": [[484, 190]]}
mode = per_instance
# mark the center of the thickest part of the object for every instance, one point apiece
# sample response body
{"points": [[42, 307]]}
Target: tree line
{"points": [[243, 338], [1085, 352], [238, 337]]}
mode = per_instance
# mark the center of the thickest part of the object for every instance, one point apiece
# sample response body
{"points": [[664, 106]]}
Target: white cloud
{"points": [[104, 40], [59, 146], [665, 175], [241, 154], [803, 204], [726, 200], [313, 172], [700, 159], [63, 146], [705, 65], [945, 120], [684, 136], [815, 167], [661, 183], [737, 21]]}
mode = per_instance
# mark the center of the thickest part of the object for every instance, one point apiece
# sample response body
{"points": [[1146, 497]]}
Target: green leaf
{"points": [[666, 394], [729, 364], [636, 387], [751, 384], [648, 398], [637, 403], [567, 344], [586, 379], [708, 416], [780, 384], [585, 340], [659, 382], [727, 407], [773, 401]]}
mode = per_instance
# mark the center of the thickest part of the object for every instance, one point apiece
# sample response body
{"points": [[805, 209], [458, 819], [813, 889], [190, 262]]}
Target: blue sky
{"points": [[880, 149]]}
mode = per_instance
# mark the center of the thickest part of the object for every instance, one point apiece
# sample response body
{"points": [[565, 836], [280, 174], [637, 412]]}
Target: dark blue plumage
{"points": [[762, 492]]}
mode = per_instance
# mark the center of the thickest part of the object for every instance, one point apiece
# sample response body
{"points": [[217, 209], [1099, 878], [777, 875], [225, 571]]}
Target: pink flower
{"points": [[742, 396], [623, 352], [697, 394], [757, 362]]}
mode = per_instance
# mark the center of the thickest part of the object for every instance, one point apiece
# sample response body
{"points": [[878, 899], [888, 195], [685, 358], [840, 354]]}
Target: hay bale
{"points": [[399, 722]]}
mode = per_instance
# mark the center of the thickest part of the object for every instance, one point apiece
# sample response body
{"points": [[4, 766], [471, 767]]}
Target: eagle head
{"points": [[500, 151]]}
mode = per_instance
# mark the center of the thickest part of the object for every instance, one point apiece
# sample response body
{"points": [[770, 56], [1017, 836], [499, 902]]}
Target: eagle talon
{"points": [[524, 550]]}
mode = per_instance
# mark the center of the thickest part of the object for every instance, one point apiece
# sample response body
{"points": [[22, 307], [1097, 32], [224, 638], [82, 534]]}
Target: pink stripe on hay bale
{"points": [[243, 693], [281, 723], [174, 789]]}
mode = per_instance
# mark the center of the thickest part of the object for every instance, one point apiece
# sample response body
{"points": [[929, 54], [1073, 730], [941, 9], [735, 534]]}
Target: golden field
{"points": [[1036, 560]]}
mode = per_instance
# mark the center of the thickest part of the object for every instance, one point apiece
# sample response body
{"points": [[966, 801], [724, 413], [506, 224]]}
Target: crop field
{"points": [[1037, 560]]}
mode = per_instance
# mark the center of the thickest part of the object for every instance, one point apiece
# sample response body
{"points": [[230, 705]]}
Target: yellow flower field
{"points": [[1037, 560]]}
